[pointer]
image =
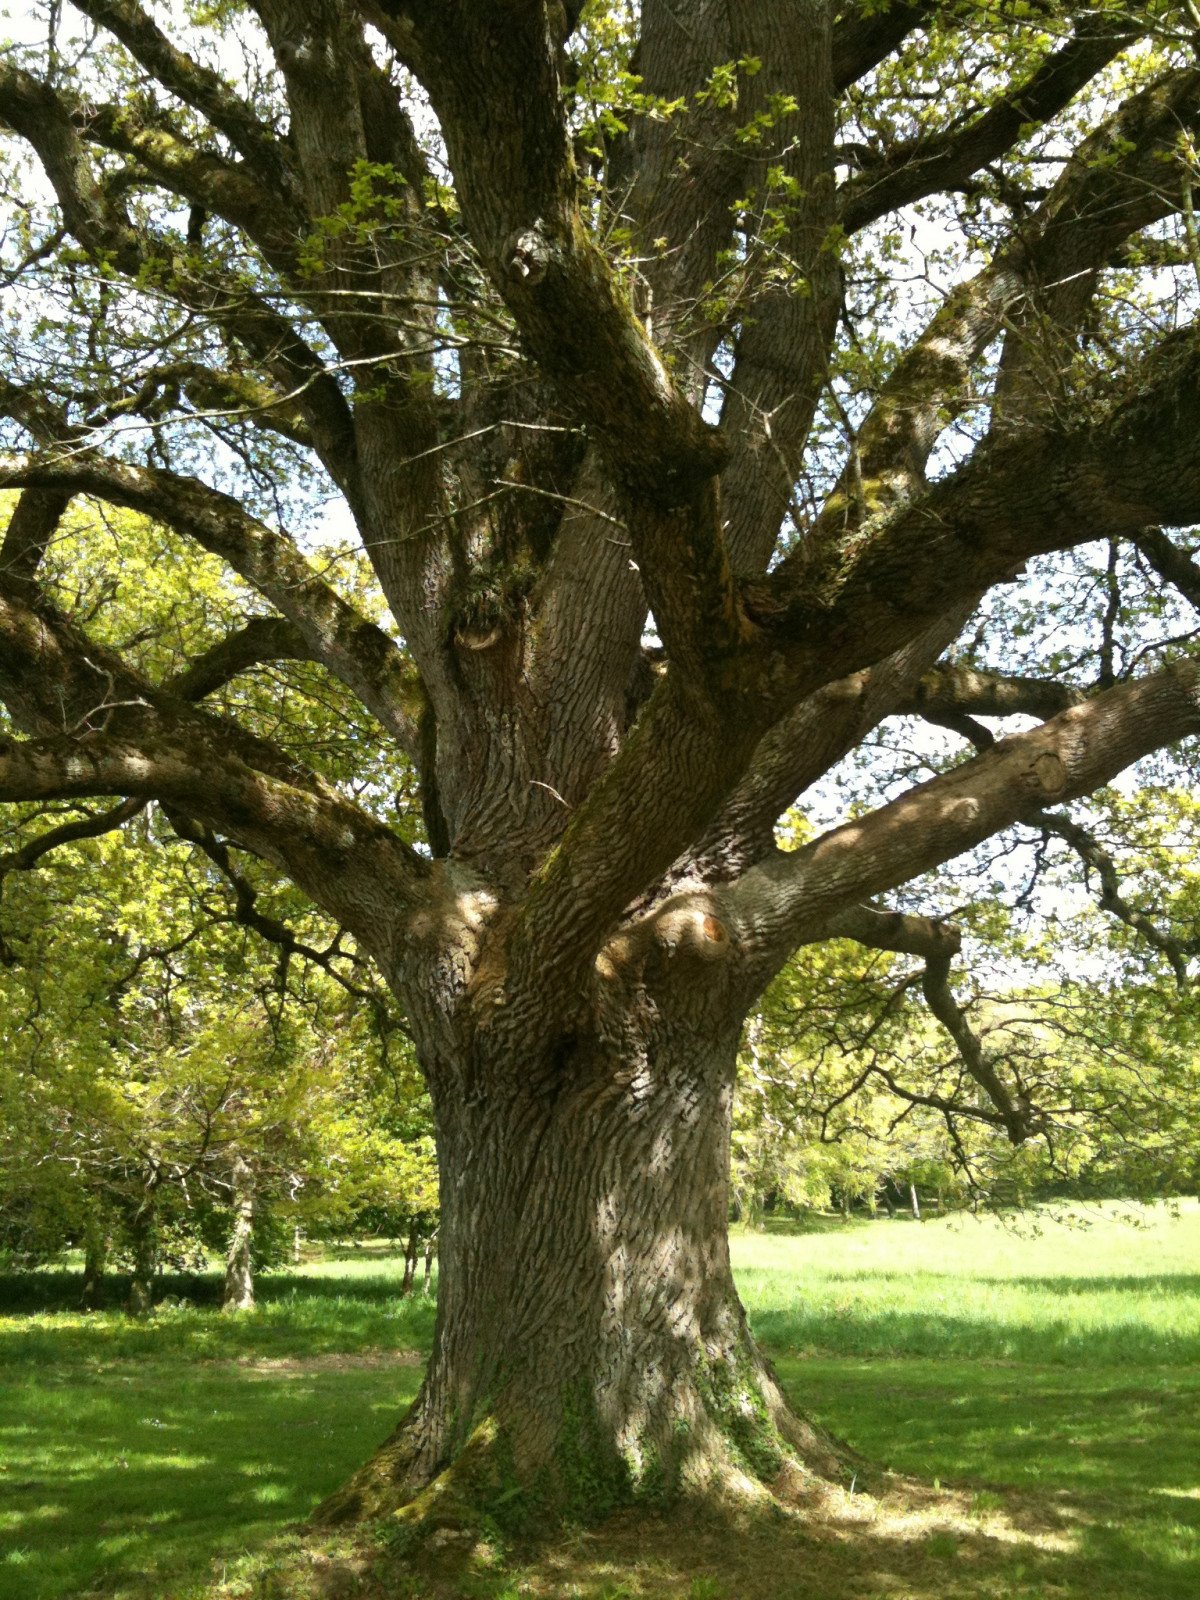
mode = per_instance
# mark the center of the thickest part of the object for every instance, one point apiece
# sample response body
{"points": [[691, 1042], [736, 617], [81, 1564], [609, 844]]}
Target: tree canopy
{"points": [[575, 436]]}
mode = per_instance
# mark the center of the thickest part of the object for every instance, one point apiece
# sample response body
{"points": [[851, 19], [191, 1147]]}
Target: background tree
{"points": [[690, 385]]}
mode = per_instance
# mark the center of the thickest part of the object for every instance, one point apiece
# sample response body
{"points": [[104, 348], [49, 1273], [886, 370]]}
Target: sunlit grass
{"points": [[1056, 1373], [1112, 1284]]}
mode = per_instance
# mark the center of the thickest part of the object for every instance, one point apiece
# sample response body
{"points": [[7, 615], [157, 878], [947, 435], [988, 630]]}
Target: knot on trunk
{"points": [[528, 255]]}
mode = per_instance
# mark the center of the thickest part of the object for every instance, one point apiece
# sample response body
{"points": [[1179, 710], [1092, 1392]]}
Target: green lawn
{"points": [[1057, 1374]]}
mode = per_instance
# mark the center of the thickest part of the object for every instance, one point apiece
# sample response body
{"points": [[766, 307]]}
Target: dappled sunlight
{"points": [[1037, 1398]]}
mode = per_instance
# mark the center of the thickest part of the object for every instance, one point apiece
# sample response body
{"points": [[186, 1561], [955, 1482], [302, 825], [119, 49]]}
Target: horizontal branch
{"points": [[963, 689], [335, 852], [27, 856], [262, 639], [775, 906]]}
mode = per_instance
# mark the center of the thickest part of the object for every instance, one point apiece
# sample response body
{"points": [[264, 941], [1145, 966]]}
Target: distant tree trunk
{"points": [[297, 1241], [914, 1202], [591, 1347], [144, 1229], [95, 1258], [239, 1274], [412, 1247], [431, 1244]]}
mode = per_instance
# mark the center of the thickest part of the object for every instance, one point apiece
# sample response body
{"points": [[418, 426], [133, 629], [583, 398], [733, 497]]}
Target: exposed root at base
{"points": [[828, 1541]]}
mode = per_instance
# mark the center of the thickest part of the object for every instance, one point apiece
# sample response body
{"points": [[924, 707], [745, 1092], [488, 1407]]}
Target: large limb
{"points": [[102, 225], [492, 73], [946, 161], [809, 740], [99, 729], [197, 85], [1138, 467], [777, 905], [1124, 177], [355, 650], [864, 35], [1120, 180], [259, 641], [1175, 566], [852, 609], [786, 328], [679, 180]]}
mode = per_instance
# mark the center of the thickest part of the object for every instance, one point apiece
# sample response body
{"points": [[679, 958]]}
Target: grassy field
{"points": [[1053, 1376]]}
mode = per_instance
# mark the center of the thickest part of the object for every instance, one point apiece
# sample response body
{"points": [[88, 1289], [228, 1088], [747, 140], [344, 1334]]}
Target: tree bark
{"points": [[239, 1274], [590, 1349], [145, 1257], [96, 1247]]}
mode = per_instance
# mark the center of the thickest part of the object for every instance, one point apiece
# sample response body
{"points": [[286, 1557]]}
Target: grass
{"points": [[1053, 1377]]}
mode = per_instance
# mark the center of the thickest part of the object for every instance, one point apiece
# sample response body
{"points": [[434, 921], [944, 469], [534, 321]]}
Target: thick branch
{"points": [[34, 522], [1044, 492], [336, 853], [965, 690], [355, 650], [262, 639], [864, 37], [194, 83], [1170, 562], [1121, 178], [28, 855], [491, 70], [778, 903], [947, 160]]}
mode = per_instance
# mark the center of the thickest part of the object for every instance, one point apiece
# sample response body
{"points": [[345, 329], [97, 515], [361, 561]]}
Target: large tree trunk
{"points": [[239, 1274], [591, 1349]]}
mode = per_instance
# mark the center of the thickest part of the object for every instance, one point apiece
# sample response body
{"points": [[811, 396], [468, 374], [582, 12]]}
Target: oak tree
{"points": [[690, 379]]}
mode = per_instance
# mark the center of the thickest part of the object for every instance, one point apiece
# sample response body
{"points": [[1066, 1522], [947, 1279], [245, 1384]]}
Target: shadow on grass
{"points": [[295, 1318], [121, 1476]]}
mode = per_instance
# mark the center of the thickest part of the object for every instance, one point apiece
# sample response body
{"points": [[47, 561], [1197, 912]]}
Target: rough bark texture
{"points": [[591, 1348], [598, 899]]}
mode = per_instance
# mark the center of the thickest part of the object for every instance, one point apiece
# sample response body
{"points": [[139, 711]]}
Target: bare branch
{"points": [[34, 521], [262, 639], [30, 854], [1100, 861]]}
